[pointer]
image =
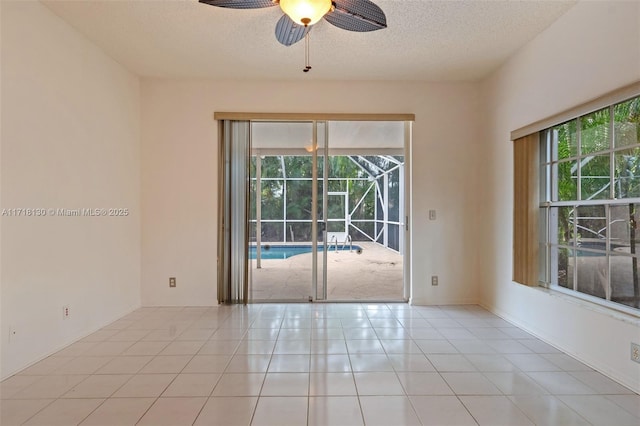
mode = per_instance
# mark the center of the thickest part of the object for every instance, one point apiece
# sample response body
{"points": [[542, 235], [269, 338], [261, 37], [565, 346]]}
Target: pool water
{"points": [[594, 245], [285, 252]]}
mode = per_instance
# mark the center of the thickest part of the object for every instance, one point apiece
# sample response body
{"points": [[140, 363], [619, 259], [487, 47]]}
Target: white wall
{"points": [[70, 139], [179, 176], [593, 49]]}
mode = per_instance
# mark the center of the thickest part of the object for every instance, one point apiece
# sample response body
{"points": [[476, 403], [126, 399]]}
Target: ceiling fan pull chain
{"points": [[307, 67]]}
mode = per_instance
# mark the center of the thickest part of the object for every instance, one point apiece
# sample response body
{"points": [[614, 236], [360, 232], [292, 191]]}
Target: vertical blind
{"points": [[233, 202], [526, 207]]}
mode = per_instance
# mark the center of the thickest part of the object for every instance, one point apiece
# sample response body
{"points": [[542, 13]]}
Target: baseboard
{"points": [[623, 380], [444, 302]]}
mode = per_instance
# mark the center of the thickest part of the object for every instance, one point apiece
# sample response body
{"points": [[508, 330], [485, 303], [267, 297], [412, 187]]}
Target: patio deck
{"points": [[375, 274]]}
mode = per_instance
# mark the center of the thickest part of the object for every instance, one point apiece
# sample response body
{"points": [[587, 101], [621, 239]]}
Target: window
{"points": [[590, 205]]}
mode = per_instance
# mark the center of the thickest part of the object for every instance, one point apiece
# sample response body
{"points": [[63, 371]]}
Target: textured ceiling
{"points": [[425, 40]]}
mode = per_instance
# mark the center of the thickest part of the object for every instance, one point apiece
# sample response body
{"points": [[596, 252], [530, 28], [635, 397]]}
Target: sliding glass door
{"points": [[325, 211]]}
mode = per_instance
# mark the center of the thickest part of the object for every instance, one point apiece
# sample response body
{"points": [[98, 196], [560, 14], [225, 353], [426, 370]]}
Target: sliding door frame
{"points": [[224, 253]]}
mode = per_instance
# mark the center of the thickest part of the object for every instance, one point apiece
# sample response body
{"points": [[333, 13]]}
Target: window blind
{"points": [[526, 207]]}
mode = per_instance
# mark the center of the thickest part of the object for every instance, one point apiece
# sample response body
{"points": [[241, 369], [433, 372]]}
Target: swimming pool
{"points": [[594, 245], [285, 252]]}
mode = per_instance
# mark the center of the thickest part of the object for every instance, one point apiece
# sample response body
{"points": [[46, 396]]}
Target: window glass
{"points": [[562, 262], [623, 228], [595, 182], [591, 227], [563, 217], [627, 173], [627, 123], [594, 135], [590, 205], [625, 273], [592, 273], [565, 140], [567, 183]]}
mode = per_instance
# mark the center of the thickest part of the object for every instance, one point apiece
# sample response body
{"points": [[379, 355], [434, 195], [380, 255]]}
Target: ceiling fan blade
{"points": [[241, 4], [357, 15], [288, 32]]}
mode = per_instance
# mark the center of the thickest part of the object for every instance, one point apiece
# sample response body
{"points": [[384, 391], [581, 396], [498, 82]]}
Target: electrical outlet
{"points": [[434, 280], [172, 281], [66, 312], [635, 352]]}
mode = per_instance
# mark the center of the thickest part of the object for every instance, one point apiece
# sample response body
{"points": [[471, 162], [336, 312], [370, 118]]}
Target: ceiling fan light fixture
{"points": [[305, 12]]}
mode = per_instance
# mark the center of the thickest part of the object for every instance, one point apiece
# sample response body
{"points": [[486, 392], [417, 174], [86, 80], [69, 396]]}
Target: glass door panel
{"points": [[282, 199], [366, 227]]}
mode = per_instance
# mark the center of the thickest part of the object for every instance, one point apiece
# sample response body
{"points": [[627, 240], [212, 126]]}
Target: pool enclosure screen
{"points": [[366, 202]]}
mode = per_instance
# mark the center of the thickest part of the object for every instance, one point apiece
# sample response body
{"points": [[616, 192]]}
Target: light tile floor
{"points": [[313, 364]]}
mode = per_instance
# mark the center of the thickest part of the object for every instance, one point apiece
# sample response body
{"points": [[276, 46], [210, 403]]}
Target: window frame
{"points": [[549, 199]]}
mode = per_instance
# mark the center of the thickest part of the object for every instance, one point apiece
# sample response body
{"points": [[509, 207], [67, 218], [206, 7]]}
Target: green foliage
{"points": [[594, 132], [596, 168], [566, 140], [594, 137], [627, 132], [566, 144]]}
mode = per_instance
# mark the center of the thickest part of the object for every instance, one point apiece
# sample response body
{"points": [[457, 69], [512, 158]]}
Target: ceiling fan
{"points": [[300, 15]]}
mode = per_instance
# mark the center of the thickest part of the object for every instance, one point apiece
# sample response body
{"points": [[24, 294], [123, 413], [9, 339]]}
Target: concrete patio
{"points": [[375, 274]]}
